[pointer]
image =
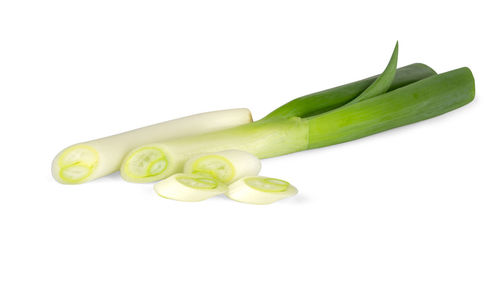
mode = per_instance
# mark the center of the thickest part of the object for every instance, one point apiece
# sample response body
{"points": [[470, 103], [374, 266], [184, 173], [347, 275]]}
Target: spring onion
{"points": [[189, 187], [93, 159], [226, 166], [269, 137], [260, 190]]}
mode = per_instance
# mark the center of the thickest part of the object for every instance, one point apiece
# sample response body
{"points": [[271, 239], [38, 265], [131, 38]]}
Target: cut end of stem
{"points": [[226, 166], [144, 165], [216, 166], [75, 164]]}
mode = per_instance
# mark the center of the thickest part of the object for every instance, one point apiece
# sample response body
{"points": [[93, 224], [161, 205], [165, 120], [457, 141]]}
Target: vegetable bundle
{"points": [[397, 97]]}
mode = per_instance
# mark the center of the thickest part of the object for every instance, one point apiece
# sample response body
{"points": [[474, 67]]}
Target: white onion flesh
{"points": [[260, 190], [226, 166]]}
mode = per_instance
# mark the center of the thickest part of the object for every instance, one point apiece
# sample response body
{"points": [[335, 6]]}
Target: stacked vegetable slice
{"points": [[231, 172]]}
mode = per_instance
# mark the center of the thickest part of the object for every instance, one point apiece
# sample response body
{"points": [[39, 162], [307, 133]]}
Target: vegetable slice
{"points": [[226, 166], [260, 190], [93, 159], [189, 187]]}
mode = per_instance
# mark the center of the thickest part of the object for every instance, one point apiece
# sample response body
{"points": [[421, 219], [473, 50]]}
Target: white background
{"points": [[415, 203]]}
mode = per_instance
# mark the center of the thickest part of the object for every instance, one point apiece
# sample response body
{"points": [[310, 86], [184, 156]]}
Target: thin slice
{"points": [[260, 190], [226, 166], [189, 187]]}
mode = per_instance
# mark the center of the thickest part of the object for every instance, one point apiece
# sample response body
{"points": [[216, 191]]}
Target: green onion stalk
{"points": [[395, 98]]}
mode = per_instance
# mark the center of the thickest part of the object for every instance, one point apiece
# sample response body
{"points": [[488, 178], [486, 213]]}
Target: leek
{"points": [[260, 190], [93, 159], [307, 123], [225, 166]]}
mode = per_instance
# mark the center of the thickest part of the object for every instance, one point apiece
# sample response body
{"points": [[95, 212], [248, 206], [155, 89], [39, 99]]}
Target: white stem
{"points": [[226, 166], [93, 159]]}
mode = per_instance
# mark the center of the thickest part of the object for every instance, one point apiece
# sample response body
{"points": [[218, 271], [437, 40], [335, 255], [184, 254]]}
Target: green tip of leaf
{"points": [[383, 82]]}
